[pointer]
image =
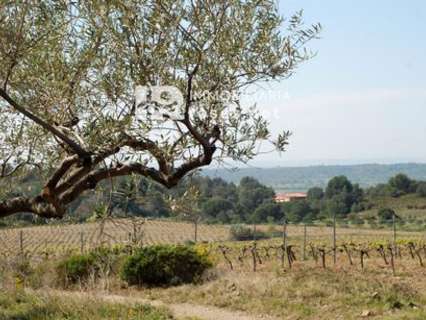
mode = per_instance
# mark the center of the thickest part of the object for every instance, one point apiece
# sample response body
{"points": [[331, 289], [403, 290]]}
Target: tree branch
{"points": [[91, 180], [35, 205], [72, 144], [154, 150], [80, 172]]}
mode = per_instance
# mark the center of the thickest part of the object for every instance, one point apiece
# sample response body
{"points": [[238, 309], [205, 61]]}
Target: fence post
{"points": [[21, 241], [394, 233], [81, 242], [334, 239], [284, 242], [253, 253], [304, 241]]}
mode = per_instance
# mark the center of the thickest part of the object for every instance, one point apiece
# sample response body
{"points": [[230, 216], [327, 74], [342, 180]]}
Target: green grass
{"points": [[411, 208], [410, 203], [23, 306]]}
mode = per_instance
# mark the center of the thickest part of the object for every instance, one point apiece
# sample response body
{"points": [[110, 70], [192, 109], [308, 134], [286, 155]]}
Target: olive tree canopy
{"points": [[68, 73]]}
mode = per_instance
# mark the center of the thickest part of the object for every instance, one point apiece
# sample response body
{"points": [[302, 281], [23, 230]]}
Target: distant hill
{"points": [[303, 178]]}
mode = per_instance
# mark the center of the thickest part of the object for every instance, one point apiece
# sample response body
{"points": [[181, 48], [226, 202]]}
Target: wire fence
{"points": [[327, 245], [61, 239]]}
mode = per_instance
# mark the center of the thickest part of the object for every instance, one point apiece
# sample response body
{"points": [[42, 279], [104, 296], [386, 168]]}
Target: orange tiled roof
{"points": [[289, 195]]}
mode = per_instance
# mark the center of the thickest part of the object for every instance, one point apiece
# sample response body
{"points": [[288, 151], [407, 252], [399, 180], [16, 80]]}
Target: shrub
{"points": [[385, 215], [165, 265], [189, 243], [76, 268], [242, 233], [355, 219], [421, 189]]}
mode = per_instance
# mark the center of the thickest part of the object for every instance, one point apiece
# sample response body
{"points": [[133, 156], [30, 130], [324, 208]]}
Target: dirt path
{"points": [[179, 310]]}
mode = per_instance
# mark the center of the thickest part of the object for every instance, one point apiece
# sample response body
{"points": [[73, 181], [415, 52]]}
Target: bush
{"points": [[165, 265], [21, 269], [421, 189], [355, 219], [76, 268], [385, 215], [242, 233]]}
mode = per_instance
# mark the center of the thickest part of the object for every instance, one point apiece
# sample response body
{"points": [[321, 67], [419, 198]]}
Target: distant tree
{"points": [[154, 204], [421, 189], [222, 189], [299, 210], [267, 211], [315, 193], [357, 207], [315, 198], [397, 186], [338, 205], [402, 184], [251, 194], [337, 185], [343, 196], [250, 183], [379, 190], [239, 214], [217, 208], [227, 216], [357, 193]]}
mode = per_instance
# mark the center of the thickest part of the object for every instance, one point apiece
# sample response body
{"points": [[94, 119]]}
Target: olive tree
{"points": [[68, 73]]}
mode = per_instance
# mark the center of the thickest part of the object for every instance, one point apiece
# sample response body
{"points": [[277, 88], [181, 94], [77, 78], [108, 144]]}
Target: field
{"points": [[62, 238], [411, 208], [372, 277]]}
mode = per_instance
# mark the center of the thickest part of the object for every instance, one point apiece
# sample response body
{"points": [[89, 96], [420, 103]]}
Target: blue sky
{"points": [[362, 99]]}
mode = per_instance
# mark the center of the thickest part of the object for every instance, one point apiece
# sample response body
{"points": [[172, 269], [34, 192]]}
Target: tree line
{"points": [[249, 201]]}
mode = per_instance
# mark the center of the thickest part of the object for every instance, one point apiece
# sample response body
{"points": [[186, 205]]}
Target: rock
{"points": [[366, 313], [232, 287]]}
